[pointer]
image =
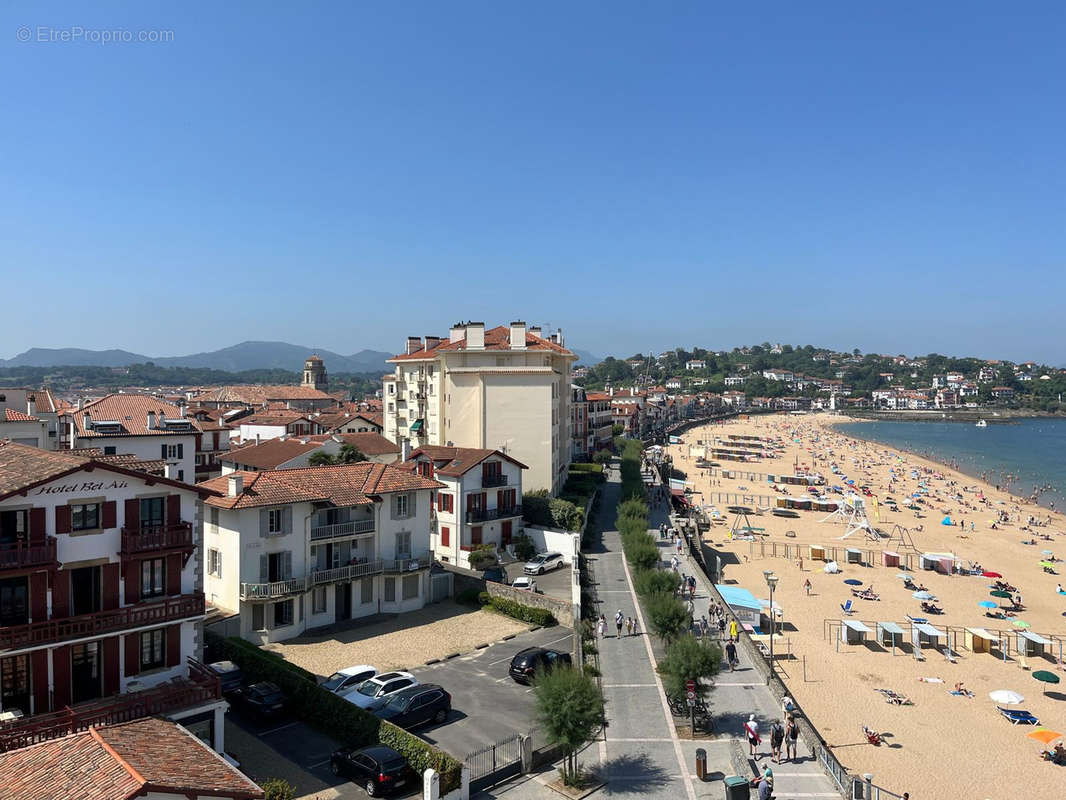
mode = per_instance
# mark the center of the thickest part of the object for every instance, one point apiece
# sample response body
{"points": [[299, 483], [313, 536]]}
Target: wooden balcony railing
{"points": [[157, 612], [161, 537], [202, 686], [21, 555]]}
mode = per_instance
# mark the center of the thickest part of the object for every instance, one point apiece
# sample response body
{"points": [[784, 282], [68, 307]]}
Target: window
{"points": [[214, 562], [275, 520], [366, 591], [15, 683], [402, 506], [318, 600], [445, 536], [446, 502], [475, 534], [283, 613], [85, 517], [172, 451], [108, 451], [181, 474], [152, 571], [403, 544], [258, 623], [152, 513], [390, 590], [152, 649], [410, 587], [214, 516]]}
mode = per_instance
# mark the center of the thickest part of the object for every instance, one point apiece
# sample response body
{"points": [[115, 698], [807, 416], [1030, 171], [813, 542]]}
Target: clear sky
{"points": [[645, 175]]}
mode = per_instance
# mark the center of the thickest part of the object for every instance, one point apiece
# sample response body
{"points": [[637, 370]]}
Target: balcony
{"points": [[22, 556], [349, 572], [162, 537], [201, 687], [351, 528], [489, 481], [490, 514], [157, 612], [273, 590], [408, 563]]}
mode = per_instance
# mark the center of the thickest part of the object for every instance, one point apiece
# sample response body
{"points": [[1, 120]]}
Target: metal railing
{"points": [[489, 481], [346, 573], [273, 589], [490, 514], [350, 528], [159, 537], [279, 589], [21, 554]]}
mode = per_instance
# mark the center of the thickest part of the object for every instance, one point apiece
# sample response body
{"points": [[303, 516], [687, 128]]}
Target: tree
{"points": [[668, 617], [350, 454], [602, 456], [277, 789], [689, 659], [320, 458], [569, 709]]}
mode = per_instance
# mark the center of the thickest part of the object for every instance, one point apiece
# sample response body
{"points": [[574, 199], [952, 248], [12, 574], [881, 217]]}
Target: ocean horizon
{"points": [[1031, 450]]}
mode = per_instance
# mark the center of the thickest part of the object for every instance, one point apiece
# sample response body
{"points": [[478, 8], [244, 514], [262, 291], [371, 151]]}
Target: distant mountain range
{"points": [[239, 357]]}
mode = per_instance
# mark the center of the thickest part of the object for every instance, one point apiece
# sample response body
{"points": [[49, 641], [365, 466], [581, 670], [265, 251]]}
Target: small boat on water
{"points": [[981, 424]]}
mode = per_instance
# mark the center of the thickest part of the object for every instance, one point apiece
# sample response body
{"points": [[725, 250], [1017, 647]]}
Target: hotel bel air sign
{"points": [[79, 488]]}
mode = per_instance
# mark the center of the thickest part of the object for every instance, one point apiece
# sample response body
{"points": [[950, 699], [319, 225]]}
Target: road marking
{"points": [[628, 685], [318, 764], [689, 788], [282, 728], [660, 739], [740, 684]]}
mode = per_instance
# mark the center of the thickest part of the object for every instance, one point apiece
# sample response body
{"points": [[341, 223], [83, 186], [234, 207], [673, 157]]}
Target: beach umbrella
{"points": [[989, 574], [853, 582], [1006, 697], [999, 593], [1019, 623], [922, 596], [1043, 734], [903, 576], [1047, 552], [987, 604], [1046, 677]]}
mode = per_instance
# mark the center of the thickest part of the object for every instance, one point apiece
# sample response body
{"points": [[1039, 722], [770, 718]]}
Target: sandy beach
{"points": [[943, 745]]}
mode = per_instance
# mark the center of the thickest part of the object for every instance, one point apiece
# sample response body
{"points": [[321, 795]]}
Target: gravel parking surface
{"points": [[408, 640]]}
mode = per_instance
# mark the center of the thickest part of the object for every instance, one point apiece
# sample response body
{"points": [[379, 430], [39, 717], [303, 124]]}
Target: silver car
{"points": [[545, 562], [380, 686]]}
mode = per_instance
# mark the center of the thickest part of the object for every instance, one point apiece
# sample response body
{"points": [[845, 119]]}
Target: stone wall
{"points": [[562, 610]]}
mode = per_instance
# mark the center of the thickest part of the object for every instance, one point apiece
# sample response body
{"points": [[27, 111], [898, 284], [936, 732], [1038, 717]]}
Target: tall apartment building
{"points": [[506, 389], [101, 598]]}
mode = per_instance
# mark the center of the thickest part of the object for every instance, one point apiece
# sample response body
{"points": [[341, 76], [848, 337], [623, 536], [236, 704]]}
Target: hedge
{"points": [[534, 616], [332, 714]]}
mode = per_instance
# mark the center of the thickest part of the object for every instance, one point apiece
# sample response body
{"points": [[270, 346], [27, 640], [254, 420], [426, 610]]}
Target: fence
{"points": [[440, 586], [495, 763]]}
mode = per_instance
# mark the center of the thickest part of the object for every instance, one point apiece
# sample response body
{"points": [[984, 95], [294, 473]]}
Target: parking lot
{"points": [[556, 583], [487, 705]]}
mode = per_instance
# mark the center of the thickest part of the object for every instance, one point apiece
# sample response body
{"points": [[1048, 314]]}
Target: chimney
{"points": [[560, 339], [553, 338], [86, 421], [414, 344], [457, 332], [405, 451], [235, 485], [81, 403], [535, 330], [518, 335], [432, 341], [475, 336], [31, 405], [151, 420]]}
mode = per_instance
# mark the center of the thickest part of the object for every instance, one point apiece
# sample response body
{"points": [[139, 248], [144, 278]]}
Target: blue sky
{"points": [[643, 175]]}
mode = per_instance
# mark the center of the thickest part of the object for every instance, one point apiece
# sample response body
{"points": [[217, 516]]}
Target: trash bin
{"points": [[737, 788], [701, 764]]}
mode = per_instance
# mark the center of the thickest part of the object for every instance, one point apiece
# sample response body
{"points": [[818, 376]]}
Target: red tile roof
{"points": [[498, 338], [260, 395], [121, 762], [371, 444], [342, 485], [269, 454], [11, 415], [274, 417], [456, 461], [333, 420], [131, 412]]}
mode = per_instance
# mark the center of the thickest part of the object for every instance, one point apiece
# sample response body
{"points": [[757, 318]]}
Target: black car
{"points": [[261, 700], [495, 575], [415, 706], [229, 675], [533, 659], [378, 769]]}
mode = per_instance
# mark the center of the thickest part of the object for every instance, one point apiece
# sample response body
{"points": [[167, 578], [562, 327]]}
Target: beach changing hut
{"points": [[978, 640], [1031, 644], [890, 634], [923, 633], [854, 631], [890, 558], [741, 602]]}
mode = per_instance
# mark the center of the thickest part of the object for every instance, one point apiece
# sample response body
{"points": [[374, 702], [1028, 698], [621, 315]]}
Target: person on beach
{"points": [[731, 655], [807, 587], [791, 735], [619, 620], [751, 730]]}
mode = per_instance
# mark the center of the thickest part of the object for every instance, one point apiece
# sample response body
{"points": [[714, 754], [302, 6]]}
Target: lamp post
{"points": [[771, 581]]}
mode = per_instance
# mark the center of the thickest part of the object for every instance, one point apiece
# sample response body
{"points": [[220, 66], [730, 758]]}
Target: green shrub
{"points": [[668, 617], [421, 755], [483, 558], [468, 597], [524, 549], [277, 789], [535, 508], [643, 555], [602, 457], [565, 515], [534, 616], [656, 581], [591, 671]]}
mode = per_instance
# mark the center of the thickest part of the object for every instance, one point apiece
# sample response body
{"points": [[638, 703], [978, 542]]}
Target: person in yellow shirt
{"points": [[733, 634]]}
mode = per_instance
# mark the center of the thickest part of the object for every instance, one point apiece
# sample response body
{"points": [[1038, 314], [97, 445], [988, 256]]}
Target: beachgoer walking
{"points": [[751, 730], [786, 706], [733, 630], [731, 655], [629, 626], [601, 626], [807, 586], [636, 629], [619, 620], [721, 627], [777, 738], [791, 735]]}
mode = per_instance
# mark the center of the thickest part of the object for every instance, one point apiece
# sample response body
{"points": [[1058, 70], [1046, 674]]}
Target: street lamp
{"points": [[771, 581]]}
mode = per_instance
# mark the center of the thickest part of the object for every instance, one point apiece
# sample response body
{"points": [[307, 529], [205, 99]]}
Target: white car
{"points": [[380, 686], [525, 582], [545, 562], [344, 680]]}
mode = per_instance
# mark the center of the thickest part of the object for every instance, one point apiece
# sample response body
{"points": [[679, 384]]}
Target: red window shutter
{"points": [[109, 574], [62, 519], [173, 586], [110, 658], [499, 498], [110, 514], [61, 677], [37, 526], [133, 654], [60, 594], [133, 514], [132, 570], [470, 502], [41, 695], [174, 645], [484, 500], [514, 497], [440, 502], [475, 535], [39, 596], [173, 509], [445, 537]]}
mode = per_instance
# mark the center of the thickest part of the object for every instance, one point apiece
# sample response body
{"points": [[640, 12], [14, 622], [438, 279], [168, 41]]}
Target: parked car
{"points": [[544, 562], [383, 685], [525, 582], [261, 700], [348, 678], [528, 662], [378, 769], [229, 675], [414, 706], [495, 575]]}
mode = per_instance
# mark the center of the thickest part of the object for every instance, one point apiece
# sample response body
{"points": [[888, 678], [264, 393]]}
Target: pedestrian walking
{"points": [[731, 655], [629, 626], [733, 630], [601, 626], [680, 542], [636, 627], [619, 620], [751, 730], [721, 627], [703, 625], [807, 587], [675, 562], [777, 738], [791, 735]]}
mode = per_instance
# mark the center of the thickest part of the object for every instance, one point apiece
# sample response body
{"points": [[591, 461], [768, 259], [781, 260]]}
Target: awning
{"points": [[677, 492], [929, 630], [981, 633], [890, 627], [1035, 638], [856, 626], [416, 426]]}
